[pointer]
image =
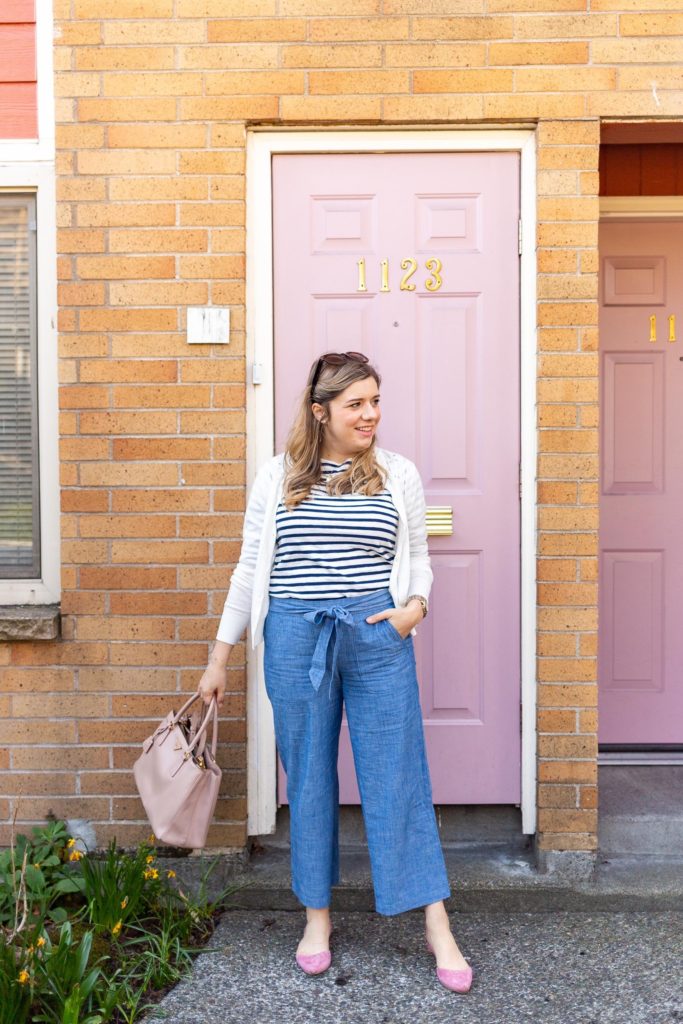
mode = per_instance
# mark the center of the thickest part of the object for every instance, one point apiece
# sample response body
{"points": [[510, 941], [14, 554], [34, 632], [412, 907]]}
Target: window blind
{"points": [[19, 479]]}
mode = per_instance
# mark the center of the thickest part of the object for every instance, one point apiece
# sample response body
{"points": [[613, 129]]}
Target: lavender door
{"points": [[413, 259], [641, 541]]}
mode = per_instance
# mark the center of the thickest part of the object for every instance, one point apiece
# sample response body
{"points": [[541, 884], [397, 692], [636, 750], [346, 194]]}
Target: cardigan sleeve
{"points": [[421, 574], [237, 607]]}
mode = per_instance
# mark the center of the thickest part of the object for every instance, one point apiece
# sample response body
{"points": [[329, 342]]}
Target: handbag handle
{"points": [[205, 721]]}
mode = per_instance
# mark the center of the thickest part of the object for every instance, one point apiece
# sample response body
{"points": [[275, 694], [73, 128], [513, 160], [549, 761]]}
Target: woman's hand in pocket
{"points": [[402, 619]]}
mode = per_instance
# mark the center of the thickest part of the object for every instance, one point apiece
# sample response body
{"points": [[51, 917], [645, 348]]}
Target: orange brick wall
{"points": [[152, 107], [567, 520]]}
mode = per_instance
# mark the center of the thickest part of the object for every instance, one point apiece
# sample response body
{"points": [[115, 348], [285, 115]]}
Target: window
{"points": [[20, 554], [30, 495]]}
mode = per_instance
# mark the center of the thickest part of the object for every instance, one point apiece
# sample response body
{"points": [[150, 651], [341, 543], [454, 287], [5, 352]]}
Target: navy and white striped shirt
{"points": [[334, 545]]}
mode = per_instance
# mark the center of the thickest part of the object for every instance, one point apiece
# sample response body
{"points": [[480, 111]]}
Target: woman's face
{"points": [[353, 417]]}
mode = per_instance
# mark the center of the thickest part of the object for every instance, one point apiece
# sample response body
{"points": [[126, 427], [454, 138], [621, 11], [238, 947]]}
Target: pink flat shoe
{"points": [[314, 963], [456, 981]]}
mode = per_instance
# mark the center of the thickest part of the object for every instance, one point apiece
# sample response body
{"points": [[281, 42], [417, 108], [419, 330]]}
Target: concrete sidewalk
{"points": [[556, 967], [554, 950], [562, 946]]}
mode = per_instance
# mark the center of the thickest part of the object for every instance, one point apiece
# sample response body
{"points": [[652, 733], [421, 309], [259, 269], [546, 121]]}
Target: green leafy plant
{"points": [[201, 909], [15, 990], [34, 874], [114, 886], [91, 938], [132, 991], [163, 956], [65, 980]]}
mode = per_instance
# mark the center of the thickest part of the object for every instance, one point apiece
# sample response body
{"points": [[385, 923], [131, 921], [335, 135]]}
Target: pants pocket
{"points": [[394, 632], [289, 643]]}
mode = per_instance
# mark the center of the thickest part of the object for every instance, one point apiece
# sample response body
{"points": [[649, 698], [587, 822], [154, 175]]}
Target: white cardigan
{"points": [[248, 599]]}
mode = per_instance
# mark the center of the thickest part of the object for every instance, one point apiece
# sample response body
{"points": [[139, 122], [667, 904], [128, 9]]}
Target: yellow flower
{"points": [[72, 842], [23, 977], [150, 858], [151, 838], [36, 865], [170, 874], [75, 855], [124, 903], [40, 941], [117, 928], [151, 873]]}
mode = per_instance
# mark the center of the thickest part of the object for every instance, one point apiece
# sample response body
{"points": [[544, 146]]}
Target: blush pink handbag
{"points": [[177, 777]]}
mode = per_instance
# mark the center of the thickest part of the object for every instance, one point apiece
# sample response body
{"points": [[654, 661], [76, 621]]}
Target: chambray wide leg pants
{"points": [[318, 654]]}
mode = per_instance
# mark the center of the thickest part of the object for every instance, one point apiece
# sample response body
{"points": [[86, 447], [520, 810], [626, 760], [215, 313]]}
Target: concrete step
{"points": [[478, 824], [640, 809], [643, 834], [483, 879], [492, 865]]}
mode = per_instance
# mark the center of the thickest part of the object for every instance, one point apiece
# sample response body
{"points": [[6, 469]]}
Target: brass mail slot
{"points": [[439, 520]]}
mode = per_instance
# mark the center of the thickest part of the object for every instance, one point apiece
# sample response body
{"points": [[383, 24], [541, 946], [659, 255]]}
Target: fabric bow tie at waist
{"points": [[328, 617]]}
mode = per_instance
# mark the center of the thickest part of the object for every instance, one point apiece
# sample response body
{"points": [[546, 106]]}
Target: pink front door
{"points": [[641, 540], [413, 259]]}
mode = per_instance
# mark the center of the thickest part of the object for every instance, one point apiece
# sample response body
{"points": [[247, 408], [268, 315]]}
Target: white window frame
{"points": [[262, 144], [29, 167]]}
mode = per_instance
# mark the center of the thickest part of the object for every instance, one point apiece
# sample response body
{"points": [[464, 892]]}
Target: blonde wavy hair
{"points": [[304, 442]]}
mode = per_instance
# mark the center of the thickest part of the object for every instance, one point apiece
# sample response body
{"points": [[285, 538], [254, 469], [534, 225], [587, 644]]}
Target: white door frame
{"points": [[641, 207], [261, 145]]}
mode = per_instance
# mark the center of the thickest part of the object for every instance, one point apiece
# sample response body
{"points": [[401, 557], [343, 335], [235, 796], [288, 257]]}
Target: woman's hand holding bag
{"points": [[215, 675]]}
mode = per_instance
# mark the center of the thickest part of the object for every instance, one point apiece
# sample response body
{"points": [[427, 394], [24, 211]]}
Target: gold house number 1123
{"points": [[432, 284]]}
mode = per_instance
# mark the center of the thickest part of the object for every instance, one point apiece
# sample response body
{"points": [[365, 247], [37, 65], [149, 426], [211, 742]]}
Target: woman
{"points": [[334, 575]]}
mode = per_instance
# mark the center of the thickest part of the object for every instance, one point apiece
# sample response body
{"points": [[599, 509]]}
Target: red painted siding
{"points": [[18, 83], [641, 169]]}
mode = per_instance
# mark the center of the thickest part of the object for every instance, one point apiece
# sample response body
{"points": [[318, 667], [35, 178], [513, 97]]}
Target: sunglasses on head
{"points": [[336, 359]]}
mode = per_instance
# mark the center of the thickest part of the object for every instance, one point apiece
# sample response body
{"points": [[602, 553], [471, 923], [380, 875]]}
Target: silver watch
{"points": [[423, 602]]}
